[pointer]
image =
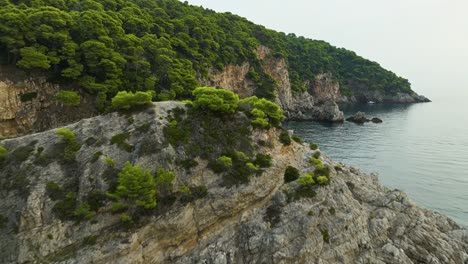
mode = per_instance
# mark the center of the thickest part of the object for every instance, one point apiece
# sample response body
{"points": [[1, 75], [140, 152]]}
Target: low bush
{"points": [[297, 139], [215, 100], [263, 113], [26, 97], [69, 98], [54, 191], [325, 235], [71, 144], [285, 138], [322, 180], [84, 212], [306, 180], [313, 146], [96, 156], [263, 161], [128, 100], [65, 208], [3, 153], [291, 174], [22, 153]]}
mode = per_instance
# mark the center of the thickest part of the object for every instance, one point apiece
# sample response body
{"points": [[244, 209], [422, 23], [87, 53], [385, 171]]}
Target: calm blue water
{"points": [[421, 149]]}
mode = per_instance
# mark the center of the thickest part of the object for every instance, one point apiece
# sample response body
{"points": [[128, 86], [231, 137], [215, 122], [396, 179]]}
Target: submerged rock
{"points": [[359, 118], [376, 120]]}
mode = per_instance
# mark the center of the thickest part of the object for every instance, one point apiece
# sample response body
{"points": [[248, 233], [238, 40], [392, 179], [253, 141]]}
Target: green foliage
{"points": [[306, 180], [69, 98], [263, 161], [215, 100], [22, 153], [285, 138], [311, 213], [127, 100], [164, 180], [33, 58], [291, 174], [54, 191], [109, 161], [262, 112], [121, 141], [65, 208], [136, 186], [71, 144], [84, 212], [90, 240], [3, 152], [338, 167], [127, 220], [322, 180], [165, 46], [313, 146], [297, 139], [325, 235], [316, 154]]}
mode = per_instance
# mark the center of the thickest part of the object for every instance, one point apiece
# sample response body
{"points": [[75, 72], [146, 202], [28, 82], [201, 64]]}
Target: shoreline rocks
{"points": [[361, 118]]}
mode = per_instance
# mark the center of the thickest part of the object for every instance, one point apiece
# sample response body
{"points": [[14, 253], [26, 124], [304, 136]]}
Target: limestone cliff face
{"points": [[352, 220], [318, 103], [27, 104]]}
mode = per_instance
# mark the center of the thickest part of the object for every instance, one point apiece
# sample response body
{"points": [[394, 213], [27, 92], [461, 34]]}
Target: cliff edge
{"points": [[55, 209]]}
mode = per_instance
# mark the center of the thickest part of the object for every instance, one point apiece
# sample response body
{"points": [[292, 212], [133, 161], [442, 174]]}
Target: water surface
{"points": [[421, 149]]}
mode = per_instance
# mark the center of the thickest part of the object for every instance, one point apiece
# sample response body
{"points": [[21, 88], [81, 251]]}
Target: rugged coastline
{"points": [[354, 219]]}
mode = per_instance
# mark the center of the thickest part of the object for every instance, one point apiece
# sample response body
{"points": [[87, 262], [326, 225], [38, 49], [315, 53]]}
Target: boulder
{"points": [[359, 118], [376, 120]]}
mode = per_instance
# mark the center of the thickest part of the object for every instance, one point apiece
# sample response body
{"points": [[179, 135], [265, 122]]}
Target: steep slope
{"points": [[202, 216]]}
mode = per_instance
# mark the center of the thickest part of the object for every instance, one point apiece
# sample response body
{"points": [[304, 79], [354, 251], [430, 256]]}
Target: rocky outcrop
{"points": [[27, 104], [376, 120], [352, 220], [317, 103], [359, 118]]}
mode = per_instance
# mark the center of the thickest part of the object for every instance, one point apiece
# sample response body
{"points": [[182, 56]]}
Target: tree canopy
{"points": [[165, 46]]}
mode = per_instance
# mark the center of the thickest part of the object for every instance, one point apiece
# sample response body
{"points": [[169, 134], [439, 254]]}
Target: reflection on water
{"points": [[419, 148]]}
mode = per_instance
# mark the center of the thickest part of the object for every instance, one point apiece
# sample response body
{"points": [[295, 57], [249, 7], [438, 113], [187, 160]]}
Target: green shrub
{"points": [[69, 98], [175, 133], [215, 100], [65, 208], [96, 200], [291, 174], [322, 180], [317, 154], [164, 180], [313, 146], [118, 207], [84, 212], [316, 161], [72, 146], [127, 100], [322, 170], [127, 220], [54, 191], [109, 161], [136, 186], [285, 138], [332, 210], [311, 213], [199, 191], [3, 153], [338, 167], [121, 141], [222, 164], [297, 139], [262, 112], [263, 161], [306, 180], [325, 235]]}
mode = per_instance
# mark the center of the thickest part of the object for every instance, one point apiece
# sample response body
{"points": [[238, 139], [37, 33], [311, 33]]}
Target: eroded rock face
{"points": [[27, 104], [318, 103], [352, 220]]}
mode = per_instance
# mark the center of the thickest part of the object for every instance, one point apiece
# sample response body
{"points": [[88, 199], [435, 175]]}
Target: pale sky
{"points": [[425, 41]]}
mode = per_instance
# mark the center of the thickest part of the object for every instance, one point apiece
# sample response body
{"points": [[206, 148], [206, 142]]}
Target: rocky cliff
{"points": [[27, 104], [261, 220]]}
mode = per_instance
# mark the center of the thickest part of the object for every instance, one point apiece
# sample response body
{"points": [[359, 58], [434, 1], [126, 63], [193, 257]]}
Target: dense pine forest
{"points": [[165, 46]]}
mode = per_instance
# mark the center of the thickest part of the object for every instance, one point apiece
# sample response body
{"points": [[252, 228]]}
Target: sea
{"points": [[421, 149]]}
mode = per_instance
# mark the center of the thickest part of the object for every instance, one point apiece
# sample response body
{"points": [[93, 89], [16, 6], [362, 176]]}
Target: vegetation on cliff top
{"points": [[163, 46]]}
